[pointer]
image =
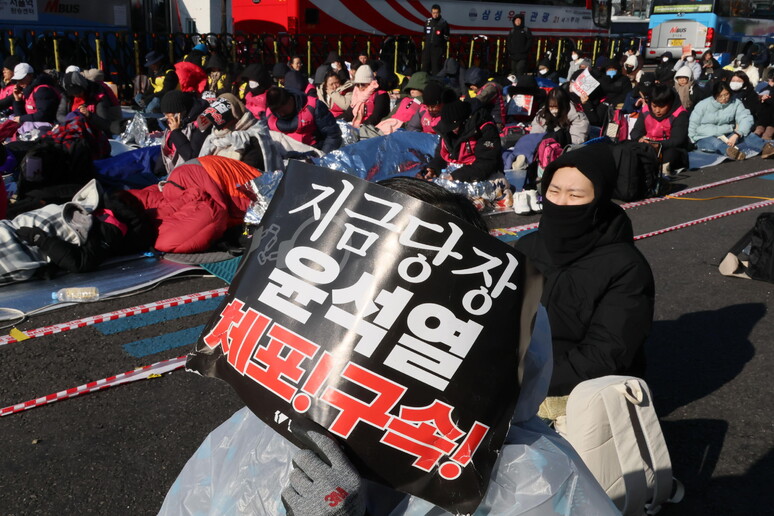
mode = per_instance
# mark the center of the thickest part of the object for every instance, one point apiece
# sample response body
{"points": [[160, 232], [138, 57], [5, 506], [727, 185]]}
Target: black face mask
{"points": [[568, 232]]}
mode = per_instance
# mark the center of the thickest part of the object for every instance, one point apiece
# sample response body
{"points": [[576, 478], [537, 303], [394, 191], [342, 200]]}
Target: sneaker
{"points": [[767, 151], [666, 169], [520, 163], [521, 203], [735, 154], [535, 203]]}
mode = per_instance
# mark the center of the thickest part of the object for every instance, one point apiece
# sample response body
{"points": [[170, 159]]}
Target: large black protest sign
{"points": [[387, 321]]}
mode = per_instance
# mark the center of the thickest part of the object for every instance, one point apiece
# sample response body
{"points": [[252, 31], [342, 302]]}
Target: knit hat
{"points": [[453, 115], [363, 75], [595, 162], [153, 57], [10, 62], [432, 93], [745, 61], [176, 101], [418, 81], [684, 71]]}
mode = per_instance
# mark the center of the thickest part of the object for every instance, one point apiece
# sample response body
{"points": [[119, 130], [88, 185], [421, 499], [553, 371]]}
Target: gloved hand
{"points": [[323, 482], [30, 235]]}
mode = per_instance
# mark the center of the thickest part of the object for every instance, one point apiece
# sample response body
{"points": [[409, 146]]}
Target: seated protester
{"points": [[470, 148], [583, 64], [338, 65], [74, 237], [599, 289], [489, 93], [408, 106], [6, 85], [161, 79], [182, 139], [664, 123], [559, 119], [303, 118], [746, 66], [369, 104], [434, 97], [593, 105], [218, 79], [546, 77], [198, 54], [722, 124], [451, 76], [687, 90], [709, 66], [632, 69], [689, 59], [296, 80], [744, 91], [764, 125], [575, 61], [615, 86], [523, 99], [664, 69], [258, 81], [640, 95], [35, 99], [334, 94], [278, 72], [95, 101]]}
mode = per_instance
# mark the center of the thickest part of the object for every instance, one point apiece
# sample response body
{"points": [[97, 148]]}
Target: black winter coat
{"points": [[519, 43], [600, 307], [436, 32]]}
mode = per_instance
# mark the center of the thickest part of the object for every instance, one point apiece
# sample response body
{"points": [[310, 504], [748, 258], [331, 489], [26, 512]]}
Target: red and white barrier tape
{"points": [[518, 229], [741, 209], [111, 316], [142, 373]]}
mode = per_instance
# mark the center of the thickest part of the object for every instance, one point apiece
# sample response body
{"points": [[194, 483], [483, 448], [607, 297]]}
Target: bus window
{"points": [[600, 13]]}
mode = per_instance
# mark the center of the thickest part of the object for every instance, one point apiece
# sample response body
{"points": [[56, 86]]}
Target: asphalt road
{"points": [[118, 451]]}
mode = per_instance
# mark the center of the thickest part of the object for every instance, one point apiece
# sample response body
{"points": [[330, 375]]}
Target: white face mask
{"points": [[689, 59], [554, 111], [575, 57], [542, 71], [735, 85], [664, 59], [252, 84]]}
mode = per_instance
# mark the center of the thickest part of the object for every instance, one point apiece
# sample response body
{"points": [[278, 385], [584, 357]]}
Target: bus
{"points": [[725, 27], [561, 18]]}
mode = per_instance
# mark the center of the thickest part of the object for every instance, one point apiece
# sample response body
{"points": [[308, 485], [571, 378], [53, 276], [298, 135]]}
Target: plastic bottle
{"points": [[76, 294]]}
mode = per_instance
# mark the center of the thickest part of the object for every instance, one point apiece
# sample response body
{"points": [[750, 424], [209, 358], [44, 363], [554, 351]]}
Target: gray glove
{"points": [[323, 482]]}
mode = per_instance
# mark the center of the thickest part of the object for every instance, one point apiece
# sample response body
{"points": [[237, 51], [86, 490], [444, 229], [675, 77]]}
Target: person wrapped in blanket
{"points": [[95, 101], [468, 157], [76, 236], [182, 139]]}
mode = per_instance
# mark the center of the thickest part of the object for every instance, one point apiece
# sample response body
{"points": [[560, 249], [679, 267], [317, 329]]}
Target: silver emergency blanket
{"points": [[349, 133], [242, 466], [263, 187], [137, 133], [402, 153]]}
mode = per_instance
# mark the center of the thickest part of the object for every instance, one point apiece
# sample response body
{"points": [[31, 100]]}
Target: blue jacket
{"points": [[711, 118]]}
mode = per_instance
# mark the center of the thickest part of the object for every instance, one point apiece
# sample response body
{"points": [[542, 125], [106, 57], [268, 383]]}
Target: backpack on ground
{"points": [[547, 151], [639, 171], [613, 426], [752, 257]]}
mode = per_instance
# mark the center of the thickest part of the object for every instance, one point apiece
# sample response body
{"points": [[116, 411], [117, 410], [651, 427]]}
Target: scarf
{"points": [[684, 92]]}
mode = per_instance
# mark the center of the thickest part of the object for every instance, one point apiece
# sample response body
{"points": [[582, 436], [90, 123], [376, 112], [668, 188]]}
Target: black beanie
{"points": [[453, 115], [176, 101], [432, 93], [10, 62], [595, 161], [279, 70]]}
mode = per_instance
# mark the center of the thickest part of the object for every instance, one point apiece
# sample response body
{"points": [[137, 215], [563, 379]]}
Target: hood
{"points": [[216, 61], [450, 67], [295, 80], [475, 76], [320, 73], [77, 213]]}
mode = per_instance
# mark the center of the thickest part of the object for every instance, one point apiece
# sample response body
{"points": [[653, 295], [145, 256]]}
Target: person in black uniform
{"points": [[436, 36], [519, 45]]}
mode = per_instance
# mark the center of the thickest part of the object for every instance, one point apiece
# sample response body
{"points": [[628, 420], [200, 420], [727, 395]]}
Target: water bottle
{"points": [[76, 294]]}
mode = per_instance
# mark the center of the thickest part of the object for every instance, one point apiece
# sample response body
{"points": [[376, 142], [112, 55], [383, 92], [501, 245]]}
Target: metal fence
{"points": [[121, 54]]}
